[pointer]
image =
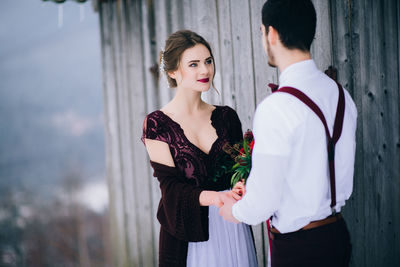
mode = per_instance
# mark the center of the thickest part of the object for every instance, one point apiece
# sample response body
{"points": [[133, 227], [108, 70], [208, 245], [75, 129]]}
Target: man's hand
{"points": [[226, 210]]}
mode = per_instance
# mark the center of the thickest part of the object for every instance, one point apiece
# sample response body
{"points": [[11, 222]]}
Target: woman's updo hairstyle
{"points": [[175, 45]]}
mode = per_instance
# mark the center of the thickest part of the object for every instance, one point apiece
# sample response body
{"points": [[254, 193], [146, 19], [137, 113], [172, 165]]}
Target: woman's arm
{"points": [[210, 198], [159, 152]]}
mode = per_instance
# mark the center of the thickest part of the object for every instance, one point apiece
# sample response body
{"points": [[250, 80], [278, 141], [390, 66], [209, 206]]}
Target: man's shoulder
{"points": [[280, 110], [277, 102]]}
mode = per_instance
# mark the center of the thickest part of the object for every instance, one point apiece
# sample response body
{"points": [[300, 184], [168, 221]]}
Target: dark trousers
{"points": [[325, 246]]}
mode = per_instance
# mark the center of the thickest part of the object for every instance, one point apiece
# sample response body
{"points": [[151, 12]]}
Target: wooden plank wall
{"points": [[128, 94], [357, 37], [366, 52]]}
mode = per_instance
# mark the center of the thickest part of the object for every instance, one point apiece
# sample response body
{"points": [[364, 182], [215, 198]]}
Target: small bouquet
{"points": [[241, 154]]}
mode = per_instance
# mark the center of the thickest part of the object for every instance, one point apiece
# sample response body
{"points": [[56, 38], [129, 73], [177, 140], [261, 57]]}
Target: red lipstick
{"points": [[205, 80]]}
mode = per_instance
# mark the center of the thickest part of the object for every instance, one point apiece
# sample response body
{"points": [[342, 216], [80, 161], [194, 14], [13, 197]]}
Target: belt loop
{"points": [[333, 211]]}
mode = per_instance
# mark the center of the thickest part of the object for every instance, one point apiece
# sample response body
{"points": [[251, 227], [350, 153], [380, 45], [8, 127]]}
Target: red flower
{"points": [[241, 155], [251, 146], [248, 135]]}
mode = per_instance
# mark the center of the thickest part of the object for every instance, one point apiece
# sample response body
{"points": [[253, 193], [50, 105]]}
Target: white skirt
{"points": [[229, 245]]}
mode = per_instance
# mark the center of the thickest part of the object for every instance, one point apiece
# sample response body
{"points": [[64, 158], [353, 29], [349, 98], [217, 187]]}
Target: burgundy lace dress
{"points": [[192, 235]]}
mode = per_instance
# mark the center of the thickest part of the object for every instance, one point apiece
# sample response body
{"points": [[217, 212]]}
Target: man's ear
{"points": [[264, 31], [273, 35]]}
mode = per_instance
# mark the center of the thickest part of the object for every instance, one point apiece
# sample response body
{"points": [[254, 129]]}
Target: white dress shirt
{"points": [[289, 179]]}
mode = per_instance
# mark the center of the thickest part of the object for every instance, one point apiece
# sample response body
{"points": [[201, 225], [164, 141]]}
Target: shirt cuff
{"points": [[236, 212]]}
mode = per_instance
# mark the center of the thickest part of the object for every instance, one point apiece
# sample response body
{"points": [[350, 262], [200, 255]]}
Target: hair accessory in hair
{"points": [[162, 63]]}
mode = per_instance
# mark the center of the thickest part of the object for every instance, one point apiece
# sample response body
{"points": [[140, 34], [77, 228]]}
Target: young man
{"points": [[302, 171]]}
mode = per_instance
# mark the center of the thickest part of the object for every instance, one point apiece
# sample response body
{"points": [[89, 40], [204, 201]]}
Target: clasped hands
{"points": [[228, 198]]}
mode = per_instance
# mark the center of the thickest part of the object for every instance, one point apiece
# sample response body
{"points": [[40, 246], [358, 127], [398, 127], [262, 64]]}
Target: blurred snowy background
{"points": [[53, 193]]}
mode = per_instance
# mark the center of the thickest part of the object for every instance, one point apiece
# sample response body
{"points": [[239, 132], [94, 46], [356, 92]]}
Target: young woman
{"points": [[184, 141]]}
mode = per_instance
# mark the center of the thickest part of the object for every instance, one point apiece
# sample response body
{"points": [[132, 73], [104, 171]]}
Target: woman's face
{"points": [[195, 70]]}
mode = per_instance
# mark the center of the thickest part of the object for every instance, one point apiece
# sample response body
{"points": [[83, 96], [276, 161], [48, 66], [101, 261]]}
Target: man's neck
{"points": [[289, 57]]}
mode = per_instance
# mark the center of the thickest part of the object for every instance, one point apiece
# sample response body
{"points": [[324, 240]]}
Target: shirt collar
{"points": [[297, 71]]}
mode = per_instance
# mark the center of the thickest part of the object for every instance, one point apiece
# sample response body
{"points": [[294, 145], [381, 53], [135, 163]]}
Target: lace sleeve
{"points": [[152, 128]]}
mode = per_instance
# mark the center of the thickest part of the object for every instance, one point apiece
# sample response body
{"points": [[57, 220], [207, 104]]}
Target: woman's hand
{"points": [[233, 194], [240, 188], [219, 196], [214, 198]]}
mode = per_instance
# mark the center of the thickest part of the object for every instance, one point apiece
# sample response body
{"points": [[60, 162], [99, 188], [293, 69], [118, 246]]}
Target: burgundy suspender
{"points": [[332, 140]]}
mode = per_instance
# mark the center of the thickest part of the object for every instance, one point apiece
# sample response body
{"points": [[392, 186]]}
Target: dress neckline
{"points": [[187, 139]]}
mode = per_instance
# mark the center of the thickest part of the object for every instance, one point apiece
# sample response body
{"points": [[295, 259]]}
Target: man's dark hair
{"points": [[294, 20]]}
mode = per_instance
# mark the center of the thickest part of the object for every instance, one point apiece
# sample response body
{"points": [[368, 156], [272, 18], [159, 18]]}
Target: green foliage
{"points": [[223, 166], [236, 161], [241, 170]]}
